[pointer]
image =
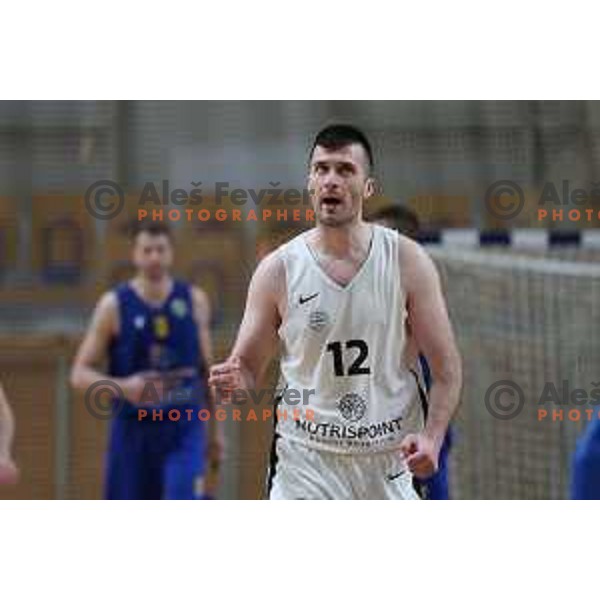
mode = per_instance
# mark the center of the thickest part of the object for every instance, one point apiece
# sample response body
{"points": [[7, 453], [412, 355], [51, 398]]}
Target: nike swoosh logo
{"points": [[392, 477], [307, 298]]}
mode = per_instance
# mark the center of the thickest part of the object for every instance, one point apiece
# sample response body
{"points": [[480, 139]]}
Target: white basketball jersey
{"points": [[348, 345]]}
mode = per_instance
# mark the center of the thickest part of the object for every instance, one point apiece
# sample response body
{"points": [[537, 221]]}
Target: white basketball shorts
{"points": [[298, 472]]}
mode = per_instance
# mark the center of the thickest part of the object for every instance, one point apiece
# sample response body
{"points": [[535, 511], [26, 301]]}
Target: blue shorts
{"points": [[155, 460]]}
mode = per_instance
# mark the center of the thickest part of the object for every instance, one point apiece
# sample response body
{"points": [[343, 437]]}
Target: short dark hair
{"points": [[151, 228], [334, 137], [402, 218]]}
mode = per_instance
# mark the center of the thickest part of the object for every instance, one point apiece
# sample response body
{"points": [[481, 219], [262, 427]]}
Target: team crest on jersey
{"points": [[139, 322], [352, 407], [179, 308], [161, 327], [318, 320]]}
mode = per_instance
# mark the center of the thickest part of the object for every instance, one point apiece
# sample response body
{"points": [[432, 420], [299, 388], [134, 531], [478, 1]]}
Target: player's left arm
{"points": [[202, 315], [8, 469], [430, 325]]}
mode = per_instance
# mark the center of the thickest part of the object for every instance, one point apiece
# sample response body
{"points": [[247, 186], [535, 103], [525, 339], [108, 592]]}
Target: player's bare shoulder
{"points": [[106, 313], [108, 302], [415, 263], [103, 327], [269, 276], [201, 303]]}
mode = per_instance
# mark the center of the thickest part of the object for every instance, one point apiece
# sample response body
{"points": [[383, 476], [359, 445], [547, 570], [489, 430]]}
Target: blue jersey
{"points": [[156, 458], [163, 339], [585, 479]]}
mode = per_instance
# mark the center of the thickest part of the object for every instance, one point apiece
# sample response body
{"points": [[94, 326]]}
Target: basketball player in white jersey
{"points": [[350, 303]]}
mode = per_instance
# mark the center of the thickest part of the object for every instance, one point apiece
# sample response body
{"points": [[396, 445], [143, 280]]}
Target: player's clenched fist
{"points": [[421, 454], [227, 377]]}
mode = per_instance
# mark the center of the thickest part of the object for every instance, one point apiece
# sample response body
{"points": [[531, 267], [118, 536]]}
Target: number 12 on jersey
{"points": [[356, 368]]}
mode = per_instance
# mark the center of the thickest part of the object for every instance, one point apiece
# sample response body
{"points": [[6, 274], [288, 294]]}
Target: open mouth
{"points": [[330, 201]]}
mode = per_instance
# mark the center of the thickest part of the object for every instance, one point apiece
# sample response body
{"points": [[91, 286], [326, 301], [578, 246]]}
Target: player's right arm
{"points": [[94, 348], [257, 339]]}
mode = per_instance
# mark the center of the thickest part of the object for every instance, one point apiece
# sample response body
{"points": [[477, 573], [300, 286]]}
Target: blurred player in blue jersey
{"points": [[154, 330], [405, 221], [585, 478]]}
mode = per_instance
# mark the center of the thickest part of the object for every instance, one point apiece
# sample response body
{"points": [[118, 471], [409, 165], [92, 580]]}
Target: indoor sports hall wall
{"points": [[56, 259]]}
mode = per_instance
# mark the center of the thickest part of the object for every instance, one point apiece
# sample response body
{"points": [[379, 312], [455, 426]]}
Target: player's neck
{"points": [[153, 290], [341, 241]]}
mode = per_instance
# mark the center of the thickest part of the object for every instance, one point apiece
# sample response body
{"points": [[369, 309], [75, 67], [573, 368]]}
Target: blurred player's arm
{"points": [[429, 322], [93, 350], [8, 470], [7, 426], [202, 315], [257, 341]]}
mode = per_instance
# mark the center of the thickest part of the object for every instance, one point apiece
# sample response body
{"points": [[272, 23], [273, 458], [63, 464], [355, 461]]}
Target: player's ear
{"points": [[371, 187]]}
